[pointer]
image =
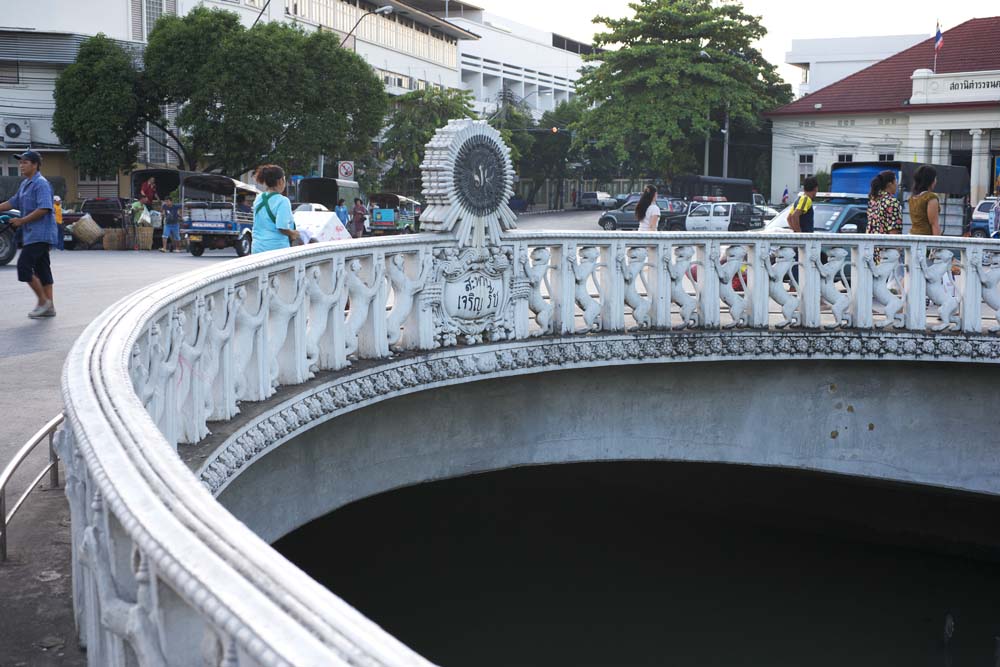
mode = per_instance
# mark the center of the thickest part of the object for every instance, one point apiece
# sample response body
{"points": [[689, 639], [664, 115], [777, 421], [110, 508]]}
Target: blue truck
{"points": [[952, 188]]}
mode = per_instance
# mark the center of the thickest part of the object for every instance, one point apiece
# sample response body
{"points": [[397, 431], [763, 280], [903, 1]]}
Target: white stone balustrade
{"points": [[163, 575]]}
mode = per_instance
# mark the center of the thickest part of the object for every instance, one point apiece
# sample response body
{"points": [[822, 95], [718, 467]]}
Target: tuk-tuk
{"points": [[394, 214], [210, 217]]}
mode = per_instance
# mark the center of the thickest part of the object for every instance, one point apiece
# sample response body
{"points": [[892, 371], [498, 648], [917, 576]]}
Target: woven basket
{"points": [[86, 230], [145, 238], [112, 239]]}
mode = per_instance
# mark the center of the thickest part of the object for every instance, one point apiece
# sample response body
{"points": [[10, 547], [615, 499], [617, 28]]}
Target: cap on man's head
{"points": [[31, 156]]}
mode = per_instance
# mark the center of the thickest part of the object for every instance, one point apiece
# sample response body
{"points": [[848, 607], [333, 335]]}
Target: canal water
{"points": [[643, 564]]}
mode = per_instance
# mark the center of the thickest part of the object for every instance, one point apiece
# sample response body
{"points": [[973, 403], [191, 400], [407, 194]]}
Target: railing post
{"points": [[660, 285], [53, 461], [916, 288], [972, 290], [861, 285], [809, 284], [759, 281], [708, 285], [3, 524]]}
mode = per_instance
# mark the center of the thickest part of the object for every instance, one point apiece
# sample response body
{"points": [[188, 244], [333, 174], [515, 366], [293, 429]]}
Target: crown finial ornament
{"points": [[468, 180]]}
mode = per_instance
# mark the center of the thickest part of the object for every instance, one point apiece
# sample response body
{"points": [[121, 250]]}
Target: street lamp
{"points": [[385, 9]]}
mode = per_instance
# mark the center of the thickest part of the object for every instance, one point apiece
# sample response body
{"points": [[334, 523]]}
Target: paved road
{"points": [[562, 221], [32, 352]]}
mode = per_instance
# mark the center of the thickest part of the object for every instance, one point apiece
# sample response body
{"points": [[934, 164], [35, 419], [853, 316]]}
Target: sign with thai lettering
{"points": [[958, 87], [476, 295]]}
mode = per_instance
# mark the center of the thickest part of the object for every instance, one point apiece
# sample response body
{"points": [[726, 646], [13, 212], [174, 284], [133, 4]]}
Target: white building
{"points": [[536, 66], [828, 60], [409, 48], [898, 109]]}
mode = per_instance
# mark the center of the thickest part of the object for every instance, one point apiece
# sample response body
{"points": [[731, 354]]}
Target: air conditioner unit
{"points": [[16, 130]]}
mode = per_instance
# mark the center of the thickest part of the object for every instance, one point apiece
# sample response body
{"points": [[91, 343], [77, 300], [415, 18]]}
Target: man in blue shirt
{"points": [[38, 227]]}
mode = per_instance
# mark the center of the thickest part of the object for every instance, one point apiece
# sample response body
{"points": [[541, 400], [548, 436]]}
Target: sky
{"points": [[785, 20]]}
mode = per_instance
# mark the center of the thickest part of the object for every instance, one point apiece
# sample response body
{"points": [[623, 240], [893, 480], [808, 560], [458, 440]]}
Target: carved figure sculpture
{"points": [[678, 269], [840, 303], [882, 273], [631, 271], [282, 315], [990, 280], [404, 292], [321, 303], [934, 274], [784, 260], [190, 386], [361, 296], [583, 271], [212, 362], [735, 257], [536, 272], [249, 342]]}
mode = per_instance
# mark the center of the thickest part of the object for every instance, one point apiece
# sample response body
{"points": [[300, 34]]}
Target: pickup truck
{"points": [[107, 212]]}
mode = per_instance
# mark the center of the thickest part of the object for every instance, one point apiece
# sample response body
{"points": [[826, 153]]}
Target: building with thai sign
{"points": [[902, 108]]}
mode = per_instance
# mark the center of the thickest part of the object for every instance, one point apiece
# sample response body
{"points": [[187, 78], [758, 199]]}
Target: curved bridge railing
{"points": [[163, 575], [157, 559]]}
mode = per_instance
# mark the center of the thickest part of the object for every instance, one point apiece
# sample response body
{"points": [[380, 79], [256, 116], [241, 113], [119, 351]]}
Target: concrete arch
{"points": [[897, 421]]}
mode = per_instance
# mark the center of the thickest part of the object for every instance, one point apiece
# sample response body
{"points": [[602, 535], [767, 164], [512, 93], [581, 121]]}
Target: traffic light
{"points": [[555, 130]]}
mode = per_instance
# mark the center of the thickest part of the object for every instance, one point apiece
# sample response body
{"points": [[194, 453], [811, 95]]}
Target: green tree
{"points": [[553, 152], [678, 66], [272, 93], [100, 104], [414, 119], [321, 99], [516, 125]]}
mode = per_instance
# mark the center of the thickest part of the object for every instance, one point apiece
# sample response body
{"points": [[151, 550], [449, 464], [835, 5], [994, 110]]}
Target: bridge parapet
{"points": [[156, 559]]}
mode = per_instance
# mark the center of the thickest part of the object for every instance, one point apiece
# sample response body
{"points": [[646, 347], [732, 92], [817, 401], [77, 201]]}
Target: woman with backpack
{"points": [[273, 224]]}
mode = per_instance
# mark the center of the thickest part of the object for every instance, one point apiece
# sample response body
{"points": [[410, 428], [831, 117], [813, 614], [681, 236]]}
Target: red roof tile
{"points": [[973, 46]]}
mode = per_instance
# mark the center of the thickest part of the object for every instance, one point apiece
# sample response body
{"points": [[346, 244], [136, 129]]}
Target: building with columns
{"points": [[902, 108]]}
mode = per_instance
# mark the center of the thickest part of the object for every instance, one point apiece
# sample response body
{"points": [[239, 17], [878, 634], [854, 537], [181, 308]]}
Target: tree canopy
{"points": [[100, 106], [669, 74], [271, 93], [415, 117]]}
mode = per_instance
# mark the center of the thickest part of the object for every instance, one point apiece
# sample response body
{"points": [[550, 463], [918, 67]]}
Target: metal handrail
{"points": [[52, 468]]}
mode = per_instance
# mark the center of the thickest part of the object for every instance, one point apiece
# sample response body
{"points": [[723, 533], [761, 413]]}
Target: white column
{"points": [[936, 147], [978, 181]]}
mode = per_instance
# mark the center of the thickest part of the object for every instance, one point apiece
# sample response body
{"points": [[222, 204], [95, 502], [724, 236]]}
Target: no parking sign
{"points": [[345, 169]]}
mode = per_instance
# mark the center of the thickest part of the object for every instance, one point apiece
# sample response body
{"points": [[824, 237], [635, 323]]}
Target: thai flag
{"points": [[784, 196], [938, 39]]}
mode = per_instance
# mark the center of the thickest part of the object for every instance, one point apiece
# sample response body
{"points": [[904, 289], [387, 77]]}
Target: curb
{"points": [[551, 210]]}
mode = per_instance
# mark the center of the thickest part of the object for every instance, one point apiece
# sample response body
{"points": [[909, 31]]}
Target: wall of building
{"points": [[830, 60], [516, 57], [960, 135], [87, 17]]}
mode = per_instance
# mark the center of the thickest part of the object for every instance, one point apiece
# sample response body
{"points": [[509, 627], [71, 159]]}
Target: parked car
{"points": [[107, 212], [834, 213], [596, 200], [624, 217], [720, 217], [767, 212], [981, 220]]}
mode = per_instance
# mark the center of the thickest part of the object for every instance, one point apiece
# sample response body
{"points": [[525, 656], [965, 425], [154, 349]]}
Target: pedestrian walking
{"points": [[58, 213], [341, 211], [38, 225], [358, 214], [925, 208], [171, 226], [646, 211], [801, 217], [273, 223], [885, 215]]}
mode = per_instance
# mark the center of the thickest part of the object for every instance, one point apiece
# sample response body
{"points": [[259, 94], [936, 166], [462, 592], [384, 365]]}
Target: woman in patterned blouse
{"points": [[885, 215]]}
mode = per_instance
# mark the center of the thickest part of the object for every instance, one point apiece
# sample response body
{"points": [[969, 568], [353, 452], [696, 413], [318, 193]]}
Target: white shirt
{"points": [[648, 223]]}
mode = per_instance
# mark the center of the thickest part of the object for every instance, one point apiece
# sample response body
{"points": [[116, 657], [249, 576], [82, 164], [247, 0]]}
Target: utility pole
{"points": [[725, 148]]}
